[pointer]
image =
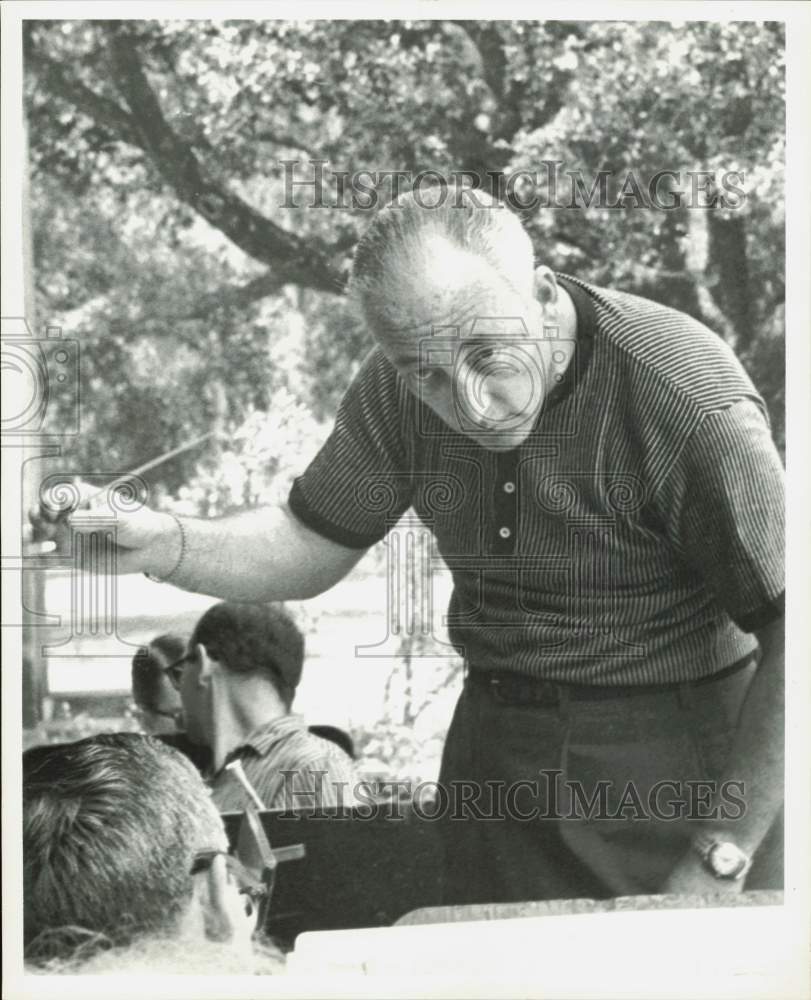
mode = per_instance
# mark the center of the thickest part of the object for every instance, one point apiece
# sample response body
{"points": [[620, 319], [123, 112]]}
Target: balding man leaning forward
{"points": [[612, 517]]}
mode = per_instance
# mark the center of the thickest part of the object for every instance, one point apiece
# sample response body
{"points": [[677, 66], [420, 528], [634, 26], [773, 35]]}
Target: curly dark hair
{"points": [[248, 638]]}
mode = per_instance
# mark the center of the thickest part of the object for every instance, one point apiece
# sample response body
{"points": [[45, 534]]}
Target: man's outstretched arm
{"points": [[259, 555]]}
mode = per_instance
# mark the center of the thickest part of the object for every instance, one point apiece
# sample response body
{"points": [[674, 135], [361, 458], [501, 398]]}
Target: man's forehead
{"points": [[490, 329], [471, 314], [415, 310], [470, 329], [440, 290], [445, 264]]}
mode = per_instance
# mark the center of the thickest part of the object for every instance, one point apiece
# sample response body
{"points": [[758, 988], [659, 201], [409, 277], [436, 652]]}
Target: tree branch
{"points": [[57, 81], [728, 257], [288, 142], [227, 297], [486, 49], [485, 45], [309, 264], [233, 297], [293, 260], [491, 60]]}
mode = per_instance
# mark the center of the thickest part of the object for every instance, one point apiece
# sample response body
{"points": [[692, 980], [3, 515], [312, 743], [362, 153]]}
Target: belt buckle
{"points": [[494, 686], [501, 690]]}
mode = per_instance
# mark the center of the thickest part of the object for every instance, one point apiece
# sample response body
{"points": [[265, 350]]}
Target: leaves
{"points": [[169, 227], [163, 244]]}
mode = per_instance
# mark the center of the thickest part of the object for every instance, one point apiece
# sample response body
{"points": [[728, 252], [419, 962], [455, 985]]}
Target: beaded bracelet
{"points": [[180, 558]]}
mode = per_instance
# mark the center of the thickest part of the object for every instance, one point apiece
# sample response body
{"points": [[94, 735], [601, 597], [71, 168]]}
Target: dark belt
{"points": [[511, 688]]}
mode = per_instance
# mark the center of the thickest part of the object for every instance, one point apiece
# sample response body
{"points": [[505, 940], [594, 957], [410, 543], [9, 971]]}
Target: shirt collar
{"points": [[262, 739], [586, 328]]}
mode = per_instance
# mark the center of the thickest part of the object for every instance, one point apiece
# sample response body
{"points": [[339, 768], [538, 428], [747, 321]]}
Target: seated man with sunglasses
{"points": [[125, 865], [158, 703], [160, 711], [237, 683]]}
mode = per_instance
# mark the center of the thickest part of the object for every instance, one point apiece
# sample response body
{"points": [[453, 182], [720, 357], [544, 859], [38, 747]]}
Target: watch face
{"points": [[727, 860]]}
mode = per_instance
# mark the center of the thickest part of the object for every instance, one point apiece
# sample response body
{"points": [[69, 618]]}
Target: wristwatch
{"points": [[722, 858]]}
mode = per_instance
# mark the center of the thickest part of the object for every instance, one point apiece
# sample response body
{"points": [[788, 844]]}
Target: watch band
{"points": [[704, 842]]}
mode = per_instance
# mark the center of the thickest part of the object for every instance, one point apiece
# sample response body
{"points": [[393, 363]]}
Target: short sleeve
{"points": [[358, 484], [724, 506]]}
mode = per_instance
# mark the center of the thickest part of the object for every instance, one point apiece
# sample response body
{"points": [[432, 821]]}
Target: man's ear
{"points": [[545, 286], [207, 664], [218, 903]]}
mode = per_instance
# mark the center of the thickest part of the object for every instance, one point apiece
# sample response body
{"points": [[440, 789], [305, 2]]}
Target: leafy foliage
{"points": [[122, 233], [162, 240]]}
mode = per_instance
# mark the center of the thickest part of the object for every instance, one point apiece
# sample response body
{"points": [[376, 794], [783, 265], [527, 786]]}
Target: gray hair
{"points": [[111, 825], [392, 253]]}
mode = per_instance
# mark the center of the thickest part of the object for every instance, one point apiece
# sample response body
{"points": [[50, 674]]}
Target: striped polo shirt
{"points": [[635, 537], [289, 768]]}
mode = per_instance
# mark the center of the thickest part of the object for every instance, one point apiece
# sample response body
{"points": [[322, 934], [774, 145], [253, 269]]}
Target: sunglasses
{"points": [[175, 669]]}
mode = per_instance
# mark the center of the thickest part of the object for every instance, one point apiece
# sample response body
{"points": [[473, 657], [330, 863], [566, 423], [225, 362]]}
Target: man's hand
{"points": [[265, 554], [148, 541], [691, 878]]}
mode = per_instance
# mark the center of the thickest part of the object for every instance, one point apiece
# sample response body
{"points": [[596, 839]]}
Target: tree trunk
{"points": [[730, 265]]}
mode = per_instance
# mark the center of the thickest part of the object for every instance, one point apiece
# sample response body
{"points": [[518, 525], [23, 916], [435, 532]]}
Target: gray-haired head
{"points": [[111, 825], [453, 299], [415, 252]]}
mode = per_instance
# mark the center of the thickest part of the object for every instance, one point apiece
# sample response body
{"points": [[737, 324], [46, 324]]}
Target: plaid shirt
{"points": [[289, 767]]}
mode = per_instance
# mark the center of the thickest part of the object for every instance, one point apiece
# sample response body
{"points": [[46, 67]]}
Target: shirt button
{"points": [[504, 532], [509, 487]]}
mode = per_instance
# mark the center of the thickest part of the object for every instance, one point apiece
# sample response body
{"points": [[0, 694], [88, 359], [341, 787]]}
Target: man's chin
{"points": [[499, 440]]}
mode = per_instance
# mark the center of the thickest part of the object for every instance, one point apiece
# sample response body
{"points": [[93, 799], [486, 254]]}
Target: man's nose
{"points": [[476, 392]]}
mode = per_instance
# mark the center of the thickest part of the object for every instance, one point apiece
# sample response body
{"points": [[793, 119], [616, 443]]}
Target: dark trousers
{"points": [[574, 799]]}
